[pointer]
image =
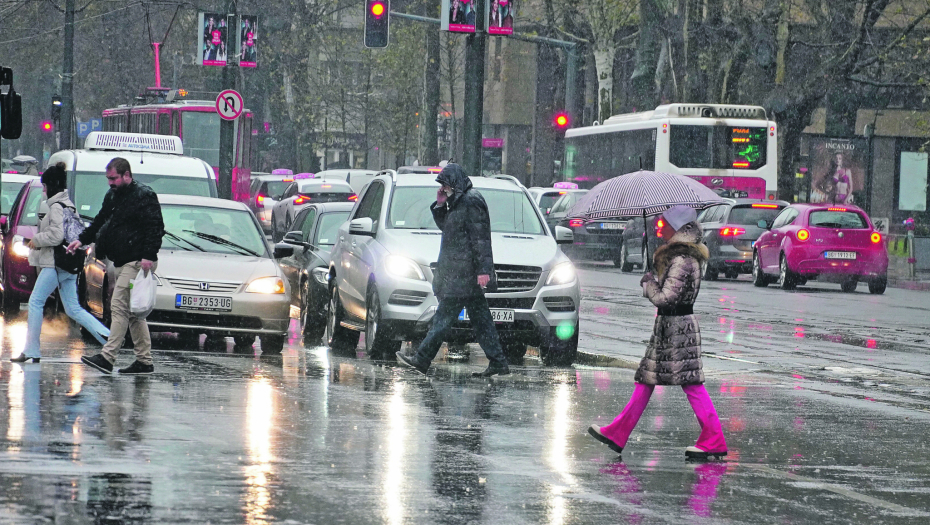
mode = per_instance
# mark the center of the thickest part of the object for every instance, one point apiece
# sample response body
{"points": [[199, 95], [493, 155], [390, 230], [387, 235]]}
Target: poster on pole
{"points": [[838, 170], [247, 46], [458, 16], [499, 17], [213, 34]]}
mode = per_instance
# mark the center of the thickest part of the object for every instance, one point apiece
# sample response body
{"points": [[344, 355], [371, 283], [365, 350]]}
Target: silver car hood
{"points": [[214, 267], [509, 248]]}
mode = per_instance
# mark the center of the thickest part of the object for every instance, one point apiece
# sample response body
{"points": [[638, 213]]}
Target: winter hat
{"points": [[678, 216]]}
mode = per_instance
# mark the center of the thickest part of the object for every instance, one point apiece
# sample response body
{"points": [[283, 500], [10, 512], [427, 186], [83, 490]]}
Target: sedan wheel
{"points": [[378, 344], [310, 323], [272, 344], [624, 260], [758, 277], [788, 279], [878, 284], [244, 341], [849, 286]]}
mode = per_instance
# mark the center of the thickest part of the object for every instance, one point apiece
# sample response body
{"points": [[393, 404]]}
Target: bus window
{"points": [[164, 124], [717, 147], [176, 123], [201, 136]]}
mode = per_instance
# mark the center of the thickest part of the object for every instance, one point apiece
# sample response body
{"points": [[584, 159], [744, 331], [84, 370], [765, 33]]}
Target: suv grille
{"points": [[512, 278], [211, 286]]}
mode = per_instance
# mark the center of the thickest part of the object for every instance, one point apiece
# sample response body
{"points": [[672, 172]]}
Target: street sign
{"points": [[229, 104], [84, 128]]}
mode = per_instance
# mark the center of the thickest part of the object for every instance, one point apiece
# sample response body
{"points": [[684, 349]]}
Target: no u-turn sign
{"points": [[229, 104]]}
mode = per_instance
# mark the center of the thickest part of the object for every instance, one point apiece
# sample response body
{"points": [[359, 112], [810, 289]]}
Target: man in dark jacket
{"points": [[464, 271], [128, 232]]}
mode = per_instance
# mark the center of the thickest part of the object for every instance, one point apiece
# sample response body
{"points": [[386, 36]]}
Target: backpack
{"points": [[73, 227]]}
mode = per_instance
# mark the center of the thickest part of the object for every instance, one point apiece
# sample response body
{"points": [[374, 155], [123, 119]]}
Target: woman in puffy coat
{"points": [[42, 255], [673, 356]]}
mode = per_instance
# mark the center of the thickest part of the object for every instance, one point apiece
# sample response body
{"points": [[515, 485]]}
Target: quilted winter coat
{"points": [[673, 356], [465, 251]]}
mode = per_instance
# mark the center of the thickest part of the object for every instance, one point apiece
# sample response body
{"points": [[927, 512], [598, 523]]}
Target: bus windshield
{"points": [[89, 188], [717, 147], [201, 136]]}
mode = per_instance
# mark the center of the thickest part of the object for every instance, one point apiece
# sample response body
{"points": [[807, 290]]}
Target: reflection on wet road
{"points": [[308, 437]]}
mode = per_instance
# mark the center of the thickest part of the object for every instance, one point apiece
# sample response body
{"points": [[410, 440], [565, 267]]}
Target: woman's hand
{"points": [[646, 277]]}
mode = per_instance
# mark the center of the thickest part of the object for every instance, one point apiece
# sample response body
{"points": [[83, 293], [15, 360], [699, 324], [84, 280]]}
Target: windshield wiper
{"points": [[223, 242], [176, 238]]}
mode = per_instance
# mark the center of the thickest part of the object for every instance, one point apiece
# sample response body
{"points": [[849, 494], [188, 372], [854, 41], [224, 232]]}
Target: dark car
{"points": [[631, 253], [264, 192], [19, 227], [316, 228], [301, 193], [597, 240], [730, 232], [561, 207]]}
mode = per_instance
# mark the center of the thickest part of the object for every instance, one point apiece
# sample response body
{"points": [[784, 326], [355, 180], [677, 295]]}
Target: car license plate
{"points": [[499, 315], [840, 255], [611, 226], [203, 302]]}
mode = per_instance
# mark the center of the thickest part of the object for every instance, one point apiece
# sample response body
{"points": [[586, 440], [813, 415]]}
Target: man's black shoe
{"points": [[411, 362], [493, 369], [99, 362], [137, 368]]}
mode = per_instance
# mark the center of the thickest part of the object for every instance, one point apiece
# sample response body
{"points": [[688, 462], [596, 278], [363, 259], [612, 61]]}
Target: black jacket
{"points": [[465, 252], [129, 226]]}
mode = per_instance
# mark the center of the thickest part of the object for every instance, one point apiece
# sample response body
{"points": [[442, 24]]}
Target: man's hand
{"points": [[73, 246], [31, 244], [483, 280], [646, 277], [146, 266], [441, 196]]}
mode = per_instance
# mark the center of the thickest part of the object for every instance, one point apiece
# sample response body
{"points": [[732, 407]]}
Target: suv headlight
{"points": [[320, 274], [266, 285], [403, 267], [19, 247], [562, 274]]}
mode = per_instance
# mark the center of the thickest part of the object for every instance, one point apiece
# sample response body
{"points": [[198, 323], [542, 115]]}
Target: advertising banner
{"points": [[248, 41], [837, 169], [499, 20], [458, 16], [213, 39]]}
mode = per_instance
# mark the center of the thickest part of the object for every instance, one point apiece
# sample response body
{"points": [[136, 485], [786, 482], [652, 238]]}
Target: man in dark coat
{"points": [[465, 269], [127, 231]]}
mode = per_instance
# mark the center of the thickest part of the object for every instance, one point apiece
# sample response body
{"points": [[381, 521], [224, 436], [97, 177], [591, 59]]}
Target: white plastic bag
{"points": [[142, 294]]}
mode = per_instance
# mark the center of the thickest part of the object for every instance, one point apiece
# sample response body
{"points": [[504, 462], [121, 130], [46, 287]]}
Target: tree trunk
{"points": [[647, 56], [604, 53]]}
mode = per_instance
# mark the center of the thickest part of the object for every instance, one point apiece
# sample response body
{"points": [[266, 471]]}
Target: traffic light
{"points": [[56, 107], [561, 121], [47, 126], [377, 17]]}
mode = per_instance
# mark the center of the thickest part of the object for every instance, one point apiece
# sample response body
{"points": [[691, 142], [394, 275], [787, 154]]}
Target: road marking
{"points": [[894, 507], [708, 354]]}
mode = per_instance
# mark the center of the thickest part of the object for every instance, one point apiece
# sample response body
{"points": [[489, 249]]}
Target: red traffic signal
{"points": [[47, 126], [561, 121], [377, 21], [377, 9]]}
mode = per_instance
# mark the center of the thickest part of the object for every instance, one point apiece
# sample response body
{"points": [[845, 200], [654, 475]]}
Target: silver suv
{"points": [[380, 273]]}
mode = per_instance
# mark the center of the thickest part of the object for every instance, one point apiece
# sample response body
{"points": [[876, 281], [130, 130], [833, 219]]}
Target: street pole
{"points": [[227, 127], [475, 46], [67, 76]]}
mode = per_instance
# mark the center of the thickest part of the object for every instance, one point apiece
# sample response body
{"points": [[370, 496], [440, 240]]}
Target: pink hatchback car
{"points": [[836, 243]]}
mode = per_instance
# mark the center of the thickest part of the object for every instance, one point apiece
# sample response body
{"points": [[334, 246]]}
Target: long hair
{"points": [[55, 179]]}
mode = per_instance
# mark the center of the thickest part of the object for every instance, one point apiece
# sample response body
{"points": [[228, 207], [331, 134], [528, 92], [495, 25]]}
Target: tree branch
{"points": [[875, 83]]}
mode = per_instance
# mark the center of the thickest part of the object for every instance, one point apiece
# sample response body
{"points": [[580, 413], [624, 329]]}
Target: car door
{"points": [[293, 266], [357, 252], [711, 224], [769, 245], [559, 209]]}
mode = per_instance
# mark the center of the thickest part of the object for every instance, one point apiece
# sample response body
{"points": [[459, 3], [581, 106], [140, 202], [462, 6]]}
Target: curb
{"points": [[909, 285], [584, 358]]}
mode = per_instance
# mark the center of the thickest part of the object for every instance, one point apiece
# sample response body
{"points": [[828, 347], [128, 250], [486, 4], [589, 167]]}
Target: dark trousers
{"points": [[481, 322]]}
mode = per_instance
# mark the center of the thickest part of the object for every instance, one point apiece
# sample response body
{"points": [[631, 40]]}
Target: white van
{"points": [[155, 160], [358, 179]]}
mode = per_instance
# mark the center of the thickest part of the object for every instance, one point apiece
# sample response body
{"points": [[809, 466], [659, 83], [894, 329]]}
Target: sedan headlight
{"points": [[266, 285], [562, 274], [320, 274], [19, 247], [403, 267]]}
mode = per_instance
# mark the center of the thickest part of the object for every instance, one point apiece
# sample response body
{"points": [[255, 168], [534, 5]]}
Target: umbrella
{"points": [[642, 193]]}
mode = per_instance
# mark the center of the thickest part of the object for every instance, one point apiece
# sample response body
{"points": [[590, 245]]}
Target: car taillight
{"points": [[732, 232], [301, 200], [769, 206], [260, 200], [353, 197], [659, 225], [803, 235], [836, 209], [876, 237], [576, 223]]}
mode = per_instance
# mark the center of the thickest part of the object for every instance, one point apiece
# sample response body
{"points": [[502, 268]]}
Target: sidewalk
{"points": [[899, 275]]}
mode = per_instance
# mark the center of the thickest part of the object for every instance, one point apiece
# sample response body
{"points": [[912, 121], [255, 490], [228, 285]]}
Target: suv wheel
{"points": [[558, 352], [514, 351], [758, 276], [378, 344], [623, 261], [338, 337], [789, 280]]}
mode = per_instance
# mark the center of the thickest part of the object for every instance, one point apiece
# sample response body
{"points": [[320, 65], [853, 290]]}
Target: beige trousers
{"points": [[121, 319]]}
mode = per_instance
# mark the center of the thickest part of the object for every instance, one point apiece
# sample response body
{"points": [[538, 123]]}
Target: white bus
{"points": [[731, 149]]}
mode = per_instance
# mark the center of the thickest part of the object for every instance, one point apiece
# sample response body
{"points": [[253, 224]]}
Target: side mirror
{"points": [[282, 250], [564, 235], [764, 224], [294, 238], [362, 226]]}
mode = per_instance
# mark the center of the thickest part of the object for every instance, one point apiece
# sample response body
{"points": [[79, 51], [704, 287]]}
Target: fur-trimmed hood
{"points": [[664, 255]]}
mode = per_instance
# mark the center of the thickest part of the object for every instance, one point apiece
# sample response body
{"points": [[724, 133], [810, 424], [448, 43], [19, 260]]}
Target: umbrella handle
{"points": [[646, 263]]}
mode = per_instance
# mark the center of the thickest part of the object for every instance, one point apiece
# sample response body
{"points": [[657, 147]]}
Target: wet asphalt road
{"points": [[823, 426]]}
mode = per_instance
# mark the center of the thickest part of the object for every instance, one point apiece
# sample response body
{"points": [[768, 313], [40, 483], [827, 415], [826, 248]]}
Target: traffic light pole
{"points": [[227, 127], [475, 51], [67, 77]]}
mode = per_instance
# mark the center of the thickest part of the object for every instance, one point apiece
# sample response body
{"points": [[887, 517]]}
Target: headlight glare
{"points": [[562, 274], [403, 267], [266, 285], [19, 247]]}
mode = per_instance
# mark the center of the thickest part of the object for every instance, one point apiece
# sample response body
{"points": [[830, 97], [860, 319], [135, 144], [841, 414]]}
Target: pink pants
{"points": [[711, 439]]}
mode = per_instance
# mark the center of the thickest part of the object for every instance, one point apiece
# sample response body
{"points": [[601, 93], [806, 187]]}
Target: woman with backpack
{"points": [[42, 255]]}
